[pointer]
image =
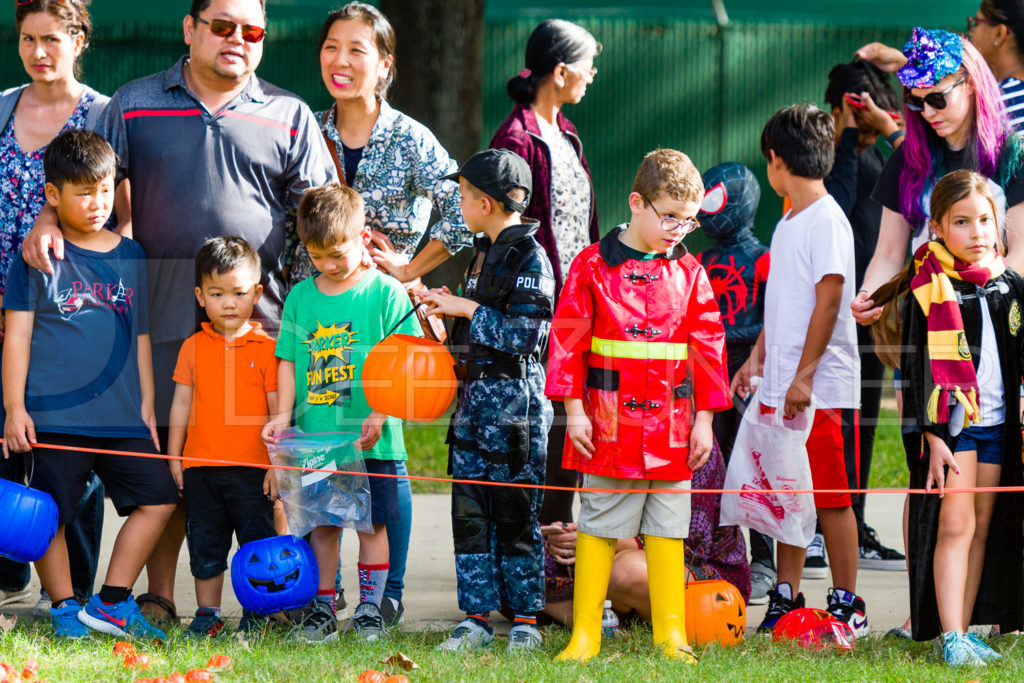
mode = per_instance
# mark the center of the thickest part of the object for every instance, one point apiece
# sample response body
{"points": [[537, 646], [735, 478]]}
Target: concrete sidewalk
{"points": [[430, 577]]}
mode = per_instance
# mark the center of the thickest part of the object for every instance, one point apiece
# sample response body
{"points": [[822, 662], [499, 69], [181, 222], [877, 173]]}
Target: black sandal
{"points": [[151, 606]]}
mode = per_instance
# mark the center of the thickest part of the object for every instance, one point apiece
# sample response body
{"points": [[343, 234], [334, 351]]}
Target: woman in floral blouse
{"points": [[52, 35], [395, 162], [559, 67]]}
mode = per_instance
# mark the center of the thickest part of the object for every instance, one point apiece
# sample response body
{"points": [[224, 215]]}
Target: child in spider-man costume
{"points": [[737, 265]]}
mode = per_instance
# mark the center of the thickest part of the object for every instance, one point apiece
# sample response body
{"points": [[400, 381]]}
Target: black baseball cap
{"points": [[496, 172]]}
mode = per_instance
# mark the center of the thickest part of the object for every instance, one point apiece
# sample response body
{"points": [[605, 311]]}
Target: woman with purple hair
{"points": [[955, 119]]}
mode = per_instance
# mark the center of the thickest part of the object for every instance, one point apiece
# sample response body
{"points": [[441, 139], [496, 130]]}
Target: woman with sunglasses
{"points": [[997, 30], [558, 68], [955, 119], [52, 34], [397, 165]]}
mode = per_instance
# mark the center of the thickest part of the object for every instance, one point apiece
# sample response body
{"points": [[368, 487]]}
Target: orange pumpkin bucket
{"points": [[715, 613], [410, 378]]}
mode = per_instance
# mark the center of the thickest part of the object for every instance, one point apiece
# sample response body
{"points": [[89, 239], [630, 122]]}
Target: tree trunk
{"points": [[438, 81]]}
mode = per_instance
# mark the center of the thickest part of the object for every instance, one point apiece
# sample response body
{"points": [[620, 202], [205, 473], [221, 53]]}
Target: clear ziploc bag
{"points": [[313, 499]]}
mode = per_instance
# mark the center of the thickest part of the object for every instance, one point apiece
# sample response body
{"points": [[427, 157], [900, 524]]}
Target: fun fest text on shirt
{"points": [[325, 344]]}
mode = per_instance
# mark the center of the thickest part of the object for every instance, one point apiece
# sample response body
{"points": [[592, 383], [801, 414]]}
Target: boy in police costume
{"points": [[499, 429], [638, 357]]}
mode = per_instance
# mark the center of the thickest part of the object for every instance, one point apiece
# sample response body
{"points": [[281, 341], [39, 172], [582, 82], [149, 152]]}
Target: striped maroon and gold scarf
{"points": [[952, 367]]}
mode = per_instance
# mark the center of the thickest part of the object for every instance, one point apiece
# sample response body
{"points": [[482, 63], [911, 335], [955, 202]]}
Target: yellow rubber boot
{"points": [[666, 575], [594, 557]]}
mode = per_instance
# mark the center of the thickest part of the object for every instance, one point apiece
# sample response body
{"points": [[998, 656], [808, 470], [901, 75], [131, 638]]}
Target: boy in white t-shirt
{"points": [[808, 347]]}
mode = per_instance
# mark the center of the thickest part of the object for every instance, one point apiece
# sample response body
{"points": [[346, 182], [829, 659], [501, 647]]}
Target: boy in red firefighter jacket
{"points": [[638, 356]]}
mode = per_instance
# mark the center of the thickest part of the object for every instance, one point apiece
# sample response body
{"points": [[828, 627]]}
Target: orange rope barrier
{"points": [[542, 487]]}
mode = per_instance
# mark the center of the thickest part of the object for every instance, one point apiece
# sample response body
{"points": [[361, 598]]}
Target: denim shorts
{"points": [[987, 441]]}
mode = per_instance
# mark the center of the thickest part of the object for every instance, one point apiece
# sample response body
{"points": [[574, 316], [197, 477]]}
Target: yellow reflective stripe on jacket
{"points": [[641, 350]]}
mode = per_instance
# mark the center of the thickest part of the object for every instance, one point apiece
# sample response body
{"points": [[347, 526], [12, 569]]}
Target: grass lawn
{"points": [[630, 657]]}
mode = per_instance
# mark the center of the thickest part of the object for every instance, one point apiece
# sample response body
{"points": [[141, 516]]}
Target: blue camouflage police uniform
{"points": [[500, 426]]}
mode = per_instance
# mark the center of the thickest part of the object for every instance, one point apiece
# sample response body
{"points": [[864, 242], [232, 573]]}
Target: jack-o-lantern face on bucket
{"points": [[274, 574], [715, 613]]}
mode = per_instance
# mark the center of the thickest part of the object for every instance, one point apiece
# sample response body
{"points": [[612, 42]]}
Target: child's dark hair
{"points": [[553, 42], [329, 215], [78, 156], [223, 254], [803, 136], [856, 77], [953, 187]]}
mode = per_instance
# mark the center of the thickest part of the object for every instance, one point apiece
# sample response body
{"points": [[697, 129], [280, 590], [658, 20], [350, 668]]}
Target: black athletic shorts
{"points": [[129, 481]]}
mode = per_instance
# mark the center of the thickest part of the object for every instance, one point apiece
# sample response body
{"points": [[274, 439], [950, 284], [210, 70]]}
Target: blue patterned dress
{"points": [[22, 180], [399, 177]]}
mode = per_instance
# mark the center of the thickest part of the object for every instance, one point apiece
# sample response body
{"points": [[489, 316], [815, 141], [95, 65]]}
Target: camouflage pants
{"points": [[498, 545]]}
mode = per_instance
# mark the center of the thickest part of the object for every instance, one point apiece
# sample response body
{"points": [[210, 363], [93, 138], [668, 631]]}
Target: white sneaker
{"points": [[815, 566], [524, 637], [42, 608], [468, 635], [11, 597]]}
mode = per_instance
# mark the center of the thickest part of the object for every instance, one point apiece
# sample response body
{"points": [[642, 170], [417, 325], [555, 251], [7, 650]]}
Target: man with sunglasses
{"points": [[208, 149]]}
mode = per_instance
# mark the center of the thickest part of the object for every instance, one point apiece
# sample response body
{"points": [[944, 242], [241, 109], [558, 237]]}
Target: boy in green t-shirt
{"points": [[330, 323]]}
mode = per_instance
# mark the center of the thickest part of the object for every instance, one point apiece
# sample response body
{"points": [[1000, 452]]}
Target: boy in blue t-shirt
{"points": [[330, 323], [78, 373]]}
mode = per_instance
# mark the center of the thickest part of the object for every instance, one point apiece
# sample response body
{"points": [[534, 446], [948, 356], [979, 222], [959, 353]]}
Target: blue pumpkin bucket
{"points": [[30, 522], [274, 574]]}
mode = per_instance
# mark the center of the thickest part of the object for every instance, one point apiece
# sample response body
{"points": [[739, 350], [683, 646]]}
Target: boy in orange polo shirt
{"points": [[225, 391]]}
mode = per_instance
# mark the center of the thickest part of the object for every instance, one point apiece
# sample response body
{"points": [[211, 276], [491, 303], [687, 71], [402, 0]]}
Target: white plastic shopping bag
{"points": [[770, 454]]}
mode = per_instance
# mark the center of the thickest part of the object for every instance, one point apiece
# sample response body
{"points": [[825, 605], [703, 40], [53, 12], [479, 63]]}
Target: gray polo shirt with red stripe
{"points": [[196, 175]]}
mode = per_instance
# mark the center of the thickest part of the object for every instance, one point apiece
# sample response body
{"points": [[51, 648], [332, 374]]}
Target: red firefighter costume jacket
{"points": [[642, 344]]}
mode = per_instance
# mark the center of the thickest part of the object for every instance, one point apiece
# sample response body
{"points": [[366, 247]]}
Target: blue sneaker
{"points": [[122, 619], [65, 621], [957, 650], [981, 648], [778, 607]]}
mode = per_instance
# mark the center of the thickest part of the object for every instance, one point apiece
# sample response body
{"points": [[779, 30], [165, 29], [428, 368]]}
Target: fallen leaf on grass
{"points": [[242, 642], [612, 657], [219, 663], [7, 623], [400, 660]]}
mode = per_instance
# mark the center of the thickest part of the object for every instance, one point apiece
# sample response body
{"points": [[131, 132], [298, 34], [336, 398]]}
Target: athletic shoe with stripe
{"points": [[778, 607], [123, 619], [65, 621], [848, 608], [206, 624]]}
